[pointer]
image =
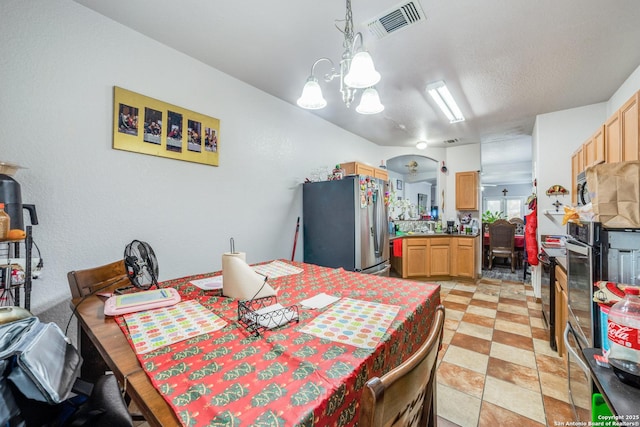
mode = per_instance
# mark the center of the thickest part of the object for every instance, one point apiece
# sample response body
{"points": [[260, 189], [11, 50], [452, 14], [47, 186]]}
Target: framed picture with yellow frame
{"points": [[148, 126]]}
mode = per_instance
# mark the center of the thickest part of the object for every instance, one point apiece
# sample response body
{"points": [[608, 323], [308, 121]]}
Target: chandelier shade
{"points": [[370, 102], [311, 97], [362, 73]]}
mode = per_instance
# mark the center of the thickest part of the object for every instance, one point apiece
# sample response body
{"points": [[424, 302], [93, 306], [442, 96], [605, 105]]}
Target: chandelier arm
{"points": [[353, 43], [329, 76]]}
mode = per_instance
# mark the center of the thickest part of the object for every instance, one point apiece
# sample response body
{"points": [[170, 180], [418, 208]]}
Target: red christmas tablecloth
{"points": [[286, 377]]}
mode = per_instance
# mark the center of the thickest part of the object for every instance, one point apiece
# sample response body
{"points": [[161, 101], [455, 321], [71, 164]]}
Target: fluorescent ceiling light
{"points": [[445, 101]]}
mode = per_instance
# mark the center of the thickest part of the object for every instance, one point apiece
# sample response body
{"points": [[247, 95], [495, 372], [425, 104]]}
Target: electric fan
{"points": [[141, 264]]}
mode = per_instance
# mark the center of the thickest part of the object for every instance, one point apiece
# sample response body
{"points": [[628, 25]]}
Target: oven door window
{"points": [[580, 284], [580, 388]]}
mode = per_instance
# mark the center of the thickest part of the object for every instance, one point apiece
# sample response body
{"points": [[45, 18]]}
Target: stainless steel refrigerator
{"points": [[345, 224]]}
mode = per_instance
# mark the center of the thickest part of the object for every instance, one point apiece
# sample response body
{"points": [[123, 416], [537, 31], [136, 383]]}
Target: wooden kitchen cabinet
{"points": [[415, 255], [467, 191], [613, 144], [357, 168], [629, 129], [463, 257], [439, 252], [622, 133], [561, 310], [594, 152], [439, 256]]}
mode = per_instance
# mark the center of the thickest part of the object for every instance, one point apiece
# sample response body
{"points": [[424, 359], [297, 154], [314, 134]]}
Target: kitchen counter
{"points": [[410, 234], [621, 398]]}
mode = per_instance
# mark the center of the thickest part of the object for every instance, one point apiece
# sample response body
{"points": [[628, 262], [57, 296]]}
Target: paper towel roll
{"points": [[240, 281]]}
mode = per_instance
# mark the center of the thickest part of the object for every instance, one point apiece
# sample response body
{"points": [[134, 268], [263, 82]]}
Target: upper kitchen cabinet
{"points": [[467, 191], [621, 133], [356, 168], [629, 129], [594, 152], [612, 139]]}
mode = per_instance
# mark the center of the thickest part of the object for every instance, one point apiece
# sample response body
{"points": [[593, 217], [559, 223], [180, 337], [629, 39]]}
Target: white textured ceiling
{"points": [[505, 61]]}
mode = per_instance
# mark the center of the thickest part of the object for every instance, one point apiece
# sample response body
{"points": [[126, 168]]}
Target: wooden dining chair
{"points": [[105, 278], [83, 283], [406, 395], [502, 242]]}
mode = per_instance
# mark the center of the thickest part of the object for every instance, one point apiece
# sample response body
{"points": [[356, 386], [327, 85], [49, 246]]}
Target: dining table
{"points": [[309, 371]]}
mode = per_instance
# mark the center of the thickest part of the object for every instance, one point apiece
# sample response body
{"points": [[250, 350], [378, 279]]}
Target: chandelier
{"points": [[356, 72], [413, 167]]}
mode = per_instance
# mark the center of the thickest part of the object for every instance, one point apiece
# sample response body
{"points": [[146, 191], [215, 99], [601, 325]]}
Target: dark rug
{"points": [[503, 272]]}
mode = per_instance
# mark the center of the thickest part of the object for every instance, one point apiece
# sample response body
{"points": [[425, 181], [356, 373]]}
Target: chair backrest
{"points": [[501, 234], [404, 395], [104, 278], [519, 223]]}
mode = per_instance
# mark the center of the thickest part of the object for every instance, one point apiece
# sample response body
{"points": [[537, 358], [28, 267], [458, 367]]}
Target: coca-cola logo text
{"points": [[625, 336]]}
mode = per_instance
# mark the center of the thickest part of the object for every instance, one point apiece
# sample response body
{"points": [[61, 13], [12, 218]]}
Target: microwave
{"points": [[582, 190]]}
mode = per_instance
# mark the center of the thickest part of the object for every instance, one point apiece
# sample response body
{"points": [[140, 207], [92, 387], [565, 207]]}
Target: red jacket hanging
{"points": [[530, 241]]}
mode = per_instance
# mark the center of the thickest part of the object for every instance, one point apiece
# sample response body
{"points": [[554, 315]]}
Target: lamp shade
{"points": [[362, 73], [311, 97], [370, 102]]}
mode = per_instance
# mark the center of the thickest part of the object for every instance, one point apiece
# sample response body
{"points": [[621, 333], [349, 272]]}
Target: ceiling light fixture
{"points": [[413, 167], [421, 145], [445, 101], [356, 72]]}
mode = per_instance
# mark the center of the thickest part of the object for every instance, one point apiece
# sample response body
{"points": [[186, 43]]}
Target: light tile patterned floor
{"points": [[496, 367]]}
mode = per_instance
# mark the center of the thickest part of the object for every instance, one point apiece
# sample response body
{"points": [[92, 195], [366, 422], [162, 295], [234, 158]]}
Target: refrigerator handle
{"points": [[374, 230]]}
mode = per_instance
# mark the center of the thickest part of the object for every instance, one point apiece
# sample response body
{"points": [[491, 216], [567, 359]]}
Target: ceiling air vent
{"points": [[396, 18], [451, 141]]}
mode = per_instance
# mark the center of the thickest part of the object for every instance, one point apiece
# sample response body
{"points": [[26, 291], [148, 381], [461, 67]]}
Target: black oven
{"points": [[584, 267]]}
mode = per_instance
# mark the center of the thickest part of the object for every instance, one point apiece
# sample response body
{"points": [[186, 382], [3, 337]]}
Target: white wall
{"points": [[624, 92], [513, 190], [59, 64], [557, 135]]}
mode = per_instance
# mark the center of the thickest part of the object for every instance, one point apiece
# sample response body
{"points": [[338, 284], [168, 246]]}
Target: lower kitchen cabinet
{"points": [[415, 255], [562, 310], [439, 256], [464, 257]]}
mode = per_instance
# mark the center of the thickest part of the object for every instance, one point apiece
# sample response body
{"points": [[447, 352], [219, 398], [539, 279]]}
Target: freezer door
{"points": [[330, 223], [373, 247]]}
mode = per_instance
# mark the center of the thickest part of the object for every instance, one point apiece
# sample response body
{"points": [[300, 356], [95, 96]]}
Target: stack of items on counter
{"points": [[620, 308]]}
